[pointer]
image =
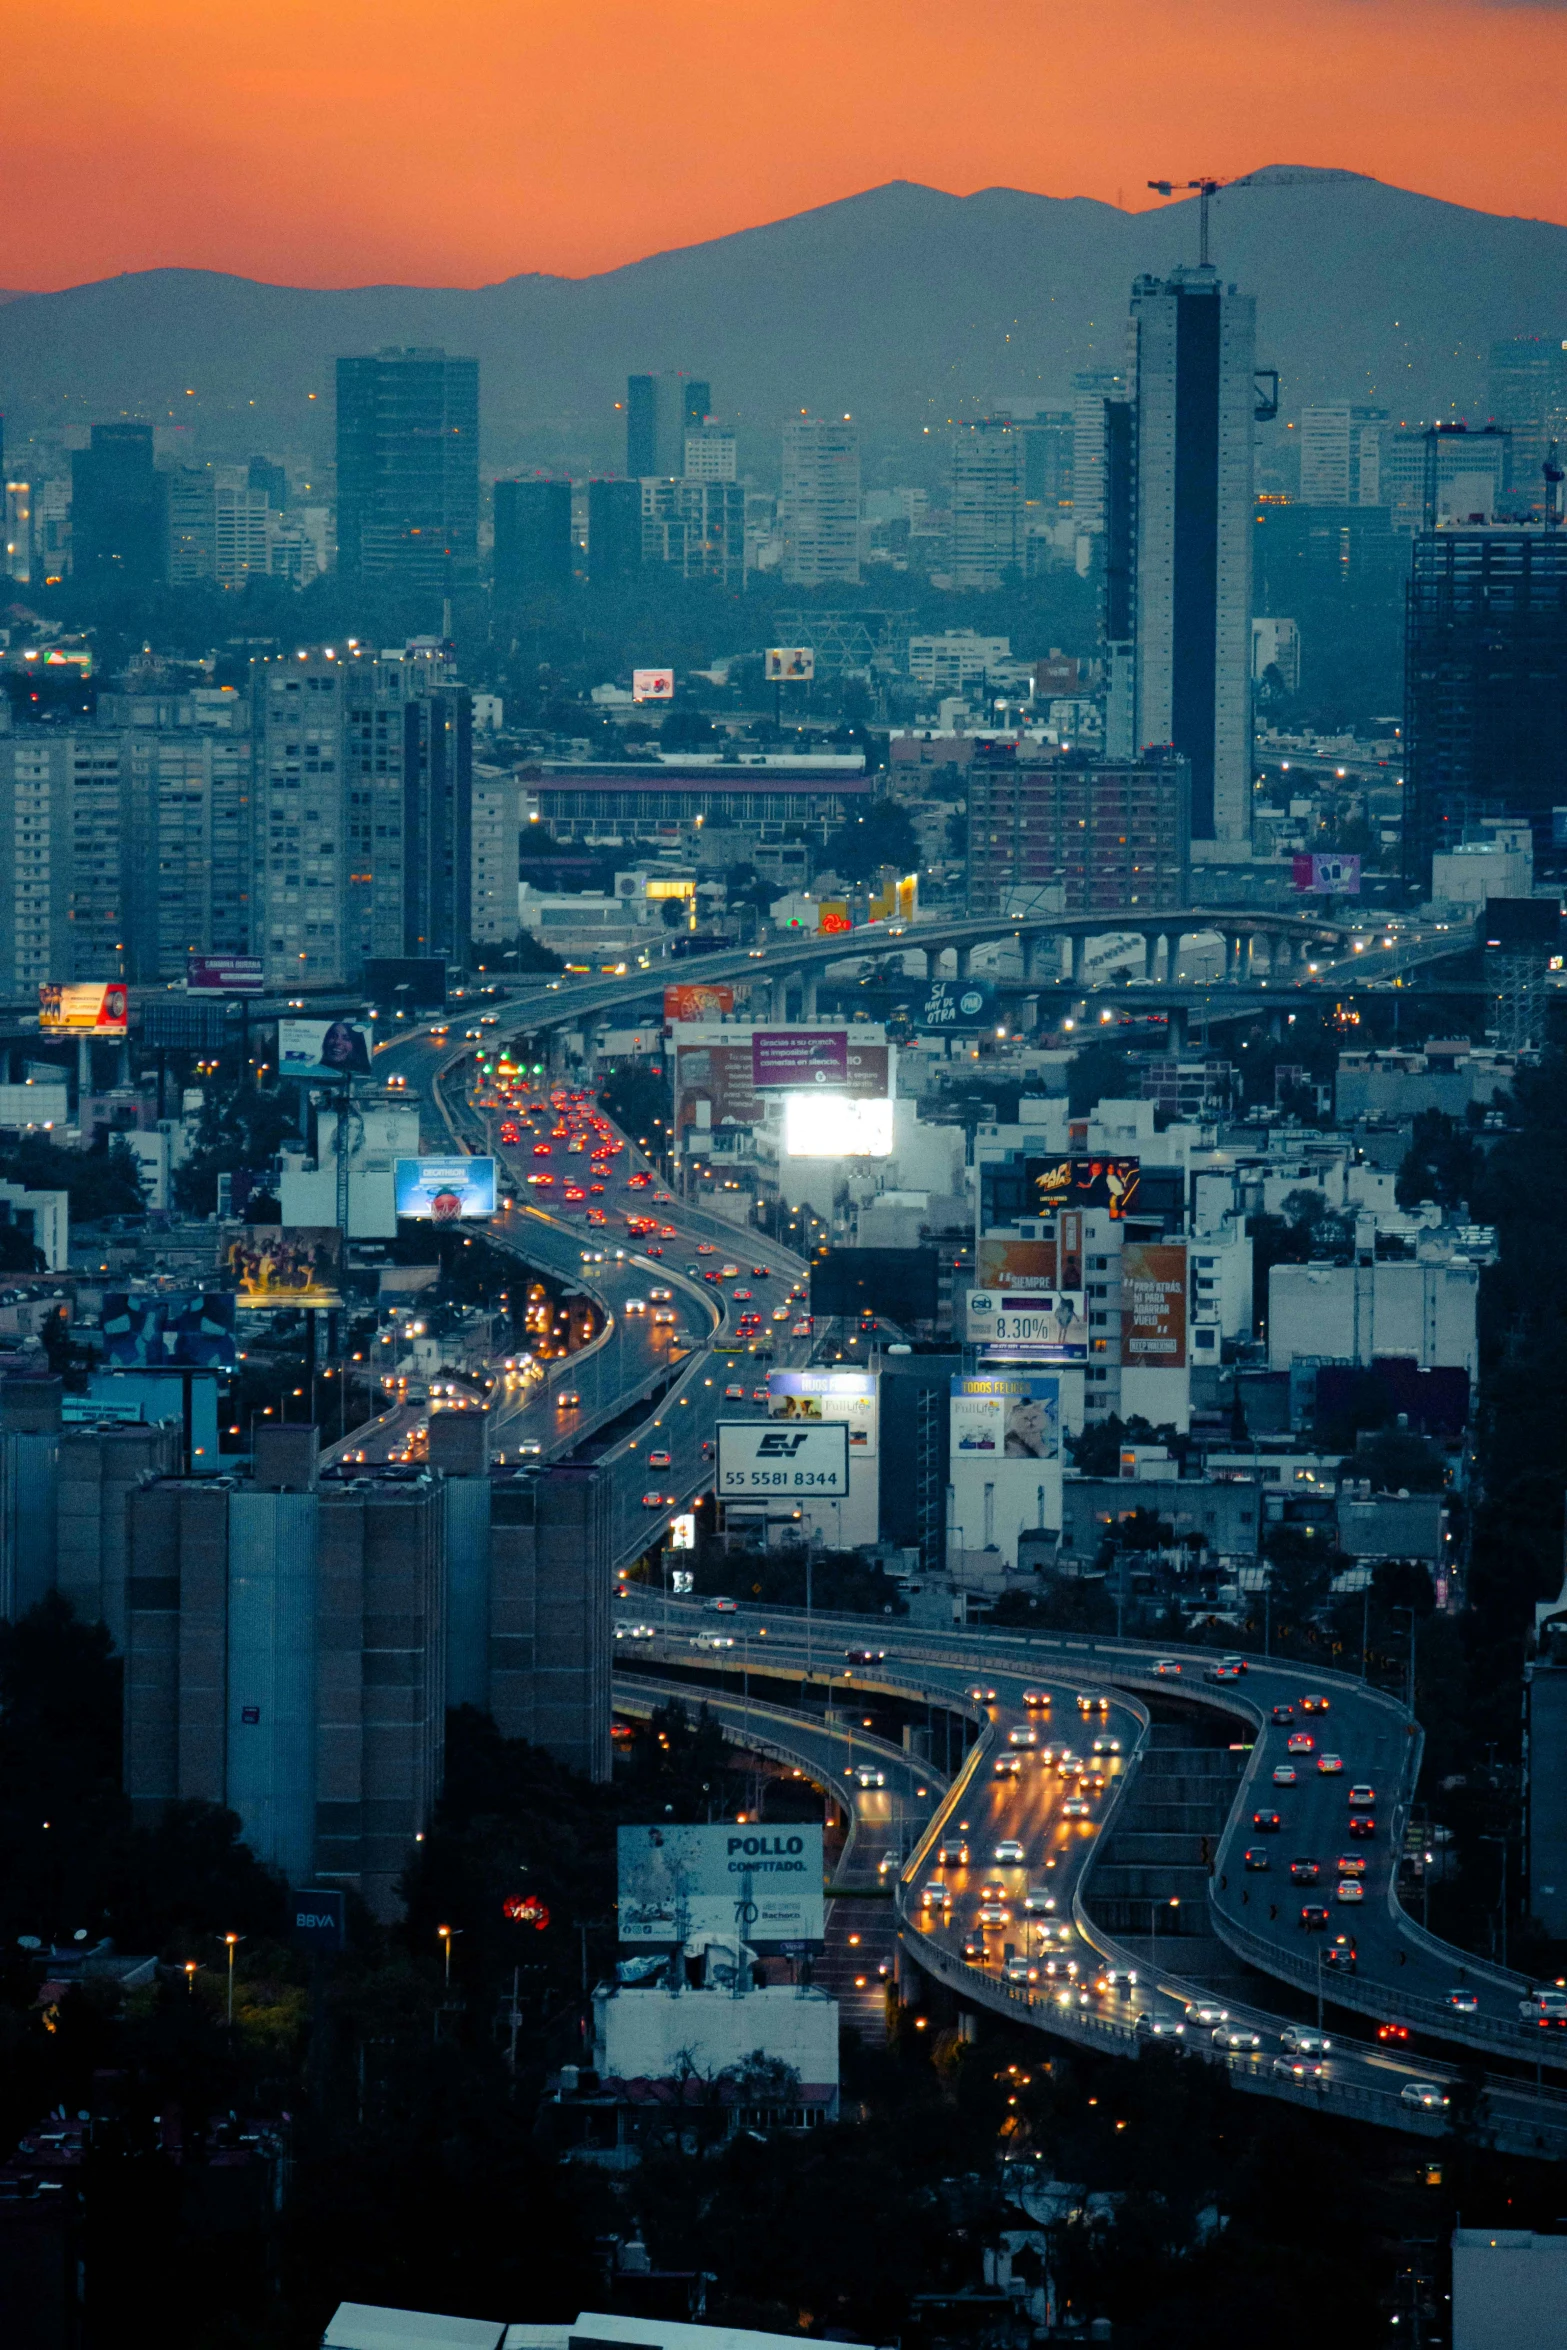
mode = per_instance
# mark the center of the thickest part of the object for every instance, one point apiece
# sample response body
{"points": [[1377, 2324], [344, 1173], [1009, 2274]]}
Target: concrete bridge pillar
{"points": [[808, 979], [1281, 956], [1068, 955], [1276, 1026], [1175, 1036], [961, 957]]}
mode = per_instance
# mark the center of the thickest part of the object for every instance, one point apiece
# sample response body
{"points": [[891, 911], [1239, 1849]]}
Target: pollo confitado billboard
{"points": [[757, 1883], [759, 1460]]}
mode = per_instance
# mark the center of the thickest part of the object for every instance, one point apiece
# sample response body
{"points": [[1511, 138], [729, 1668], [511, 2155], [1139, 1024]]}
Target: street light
{"points": [[1154, 1908], [233, 1941], [445, 1935]]}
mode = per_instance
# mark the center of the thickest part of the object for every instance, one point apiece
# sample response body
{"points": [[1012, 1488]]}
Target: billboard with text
{"points": [[698, 1003], [750, 1882], [1014, 1416], [792, 1059], [763, 1461], [1153, 1305], [90, 1007], [444, 1191], [1081, 1183]]}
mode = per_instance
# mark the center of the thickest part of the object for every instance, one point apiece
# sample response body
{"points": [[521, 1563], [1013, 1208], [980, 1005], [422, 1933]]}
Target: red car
{"points": [[1394, 2032]]}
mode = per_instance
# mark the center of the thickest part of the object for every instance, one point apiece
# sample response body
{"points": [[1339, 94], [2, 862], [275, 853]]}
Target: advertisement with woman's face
{"points": [[323, 1048]]}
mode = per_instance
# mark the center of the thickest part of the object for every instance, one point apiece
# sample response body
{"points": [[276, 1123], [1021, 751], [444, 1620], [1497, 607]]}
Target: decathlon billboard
{"points": [[754, 1883], [445, 1191], [759, 1460]]}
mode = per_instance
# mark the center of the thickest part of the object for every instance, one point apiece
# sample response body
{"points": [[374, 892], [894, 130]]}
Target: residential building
{"points": [[1109, 835], [614, 530], [116, 512], [711, 454], [299, 544], [955, 660], [1091, 392], [63, 907], [660, 411], [695, 527], [1275, 644], [408, 469], [499, 805], [1341, 454], [1423, 1311], [533, 543], [186, 794], [819, 503], [987, 503]]}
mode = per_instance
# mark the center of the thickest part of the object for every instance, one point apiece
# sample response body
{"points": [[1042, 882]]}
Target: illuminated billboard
{"points": [[790, 1059], [191, 1332], [1326, 874], [735, 1881], [758, 1461], [790, 664], [833, 914], [652, 685], [323, 1048], [1081, 1183], [835, 1126], [92, 1007], [1050, 1323], [1153, 1304], [1004, 1262], [225, 975], [444, 1191], [850, 1396], [1014, 1416], [718, 1068], [286, 1265]]}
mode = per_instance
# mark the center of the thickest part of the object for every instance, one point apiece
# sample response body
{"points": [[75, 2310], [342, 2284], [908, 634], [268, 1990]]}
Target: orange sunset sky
{"points": [[458, 143]]}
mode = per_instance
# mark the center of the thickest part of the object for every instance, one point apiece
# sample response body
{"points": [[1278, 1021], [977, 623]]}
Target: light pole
{"points": [[1154, 1908], [445, 1934], [233, 1941], [1502, 1841]]}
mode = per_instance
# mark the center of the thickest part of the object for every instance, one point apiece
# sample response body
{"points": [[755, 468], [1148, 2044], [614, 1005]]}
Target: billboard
{"points": [[1013, 1417], [752, 1884], [901, 1283], [1051, 1323], [1153, 1304], [652, 685], [698, 1003], [323, 1048], [955, 1004], [759, 1460], [286, 1264], [95, 1007], [1326, 874], [790, 664], [1081, 1183], [831, 1126], [718, 1069], [849, 1396], [194, 1332], [1002, 1261], [225, 975], [833, 914], [444, 1191], [789, 1059]]}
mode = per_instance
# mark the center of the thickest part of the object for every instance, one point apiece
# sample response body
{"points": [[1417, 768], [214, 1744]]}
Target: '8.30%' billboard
{"points": [[751, 1883]]}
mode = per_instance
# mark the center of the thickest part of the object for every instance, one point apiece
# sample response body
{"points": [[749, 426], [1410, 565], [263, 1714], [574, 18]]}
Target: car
{"points": [[1362, 1798], [1362, 1824], [1314, 1705], [1077, 1807], [635, 1305], [722, 1605], [1429, 2096], [634, 1632], [742, 1297], [727, 1272], [992, 1913], [1007, 1766], [1022, 1736], [705, 1248], [1122, 1979], [974, 1951], [1300, 1742], [950, 1855], [1035, 1698], [761, 1273], [661, 1297], [1106, 1746], [1392, 2034], [541, 1182], [1168, 1668], [865, 1656], [712, 1640], [1159, 2027], [1092, 1703], [983, 1696], [659, 1460], [664, 1317], [1039, 1905], [1010, 1850], [1224, 1670], [780, 1313], [1547, 2010], [993, 1890], [530, 1448], [1463, 2002], [800, 1330], [1205, 2011], [1019, 1970], [1351, 1864], [1284, 1774], [1297, 2068], [1283, 1713], [541, 1150], [1313, 1917], [575, 1193], [1235, 2036], [1268, 1821], [1256, 1858], [1350, 1889], [734, 1394], [655, 1501], [1304, 1871], [569, 1400], [1340, 1953], [868, 1775], [936, 1895], [1330, 1765], [1301, 2042]]}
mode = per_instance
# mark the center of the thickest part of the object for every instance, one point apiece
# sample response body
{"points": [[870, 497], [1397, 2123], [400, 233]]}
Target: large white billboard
{"points": [[836, 1126], [850, 1396], [1051, 1323], [755, 1883], [799, 1461]]}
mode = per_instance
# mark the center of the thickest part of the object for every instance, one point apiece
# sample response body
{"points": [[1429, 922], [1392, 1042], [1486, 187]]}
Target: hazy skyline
{"points": [[384, 143]]}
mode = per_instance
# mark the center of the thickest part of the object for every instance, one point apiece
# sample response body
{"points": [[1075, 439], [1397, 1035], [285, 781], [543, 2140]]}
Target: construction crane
{"points": [[1206, 189]]}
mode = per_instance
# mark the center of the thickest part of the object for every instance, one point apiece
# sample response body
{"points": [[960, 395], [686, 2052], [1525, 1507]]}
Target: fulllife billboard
{"points": [[718, 1069], [1153, 1304], [225, 975], [193, 1332], [956, 1004], [849, 1396], [323, 1048], [278, 1265], [1081, 1183], [444, 1191], [652, 685], [790, 664], [1324, 873], [90, 1007], [1050, 1323], [791, 1060], [698, 1003], [750, 1883], [760, 1460], [1014, 1416]]}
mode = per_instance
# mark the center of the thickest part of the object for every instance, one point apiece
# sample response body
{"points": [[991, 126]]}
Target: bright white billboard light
{"points": [[835, 1126]]}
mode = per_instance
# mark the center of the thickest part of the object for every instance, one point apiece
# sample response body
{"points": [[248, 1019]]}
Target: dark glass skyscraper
{"points": [[532, 537], [408, 469], [614, 530], [116, 508], [660, 411]]}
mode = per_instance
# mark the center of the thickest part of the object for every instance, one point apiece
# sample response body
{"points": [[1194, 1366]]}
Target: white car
{"points": [[635, 1305], [1237, 2037], [1009, 1849], [1022, 1737], [1297, 2041], [866, 1773], [712, 1640], [1203, 2011], [1039, 1905], [1428, 2095]]}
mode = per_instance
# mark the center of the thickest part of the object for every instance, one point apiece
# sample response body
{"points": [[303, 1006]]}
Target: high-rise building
{"points": [[116, 510], [1341, 454], [533, 547], [614, 530], [1528, 397], [1485, 687], [695, 527], [1445, 475], [711, 454], [1090, 392], [987, 503], [660, 411], [1192, 520], [16, 533], [1108, 834], [408, 469], [272, 481], [63, 906], [819, 503]]}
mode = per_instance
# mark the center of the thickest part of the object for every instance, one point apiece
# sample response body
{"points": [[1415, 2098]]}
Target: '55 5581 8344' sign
{"points": [[757, 1458]]}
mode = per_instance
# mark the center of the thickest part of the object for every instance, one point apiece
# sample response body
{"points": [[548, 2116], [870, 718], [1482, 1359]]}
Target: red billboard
{"points": [[698, 1003], [1153, 1305]]}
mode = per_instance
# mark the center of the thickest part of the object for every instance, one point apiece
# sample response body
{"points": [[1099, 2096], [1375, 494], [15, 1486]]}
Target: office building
{"points": [[614, 531], [271, 480], [819, 503], [663, 803], [696, 528], [533, 549], [1108, 835], [1424, 1312], [1528, 398], [710, 454], [987, 503], [1275, 644], [116, 510], [408, 469], [1091, 391], [955, 660], [1448, 476], [1341, 454], [660, 411], [1196, 410], [1485, 687], [499, 812]]}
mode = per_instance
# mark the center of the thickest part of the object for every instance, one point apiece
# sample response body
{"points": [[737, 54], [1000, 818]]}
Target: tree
{"points": [[1443, 1163], [883, 835]]}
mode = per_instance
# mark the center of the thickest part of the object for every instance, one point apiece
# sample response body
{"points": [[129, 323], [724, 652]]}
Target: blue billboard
{"points": [[445, 1191]]}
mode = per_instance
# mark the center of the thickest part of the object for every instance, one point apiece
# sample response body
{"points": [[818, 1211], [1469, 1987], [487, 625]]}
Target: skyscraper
{"points": [[1196, 406], [533, 550], [614, 530], [116, 512], [987, 502], [660, 411], [819, 504], [1341, 454], [408, 469], [1528, 395]]}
